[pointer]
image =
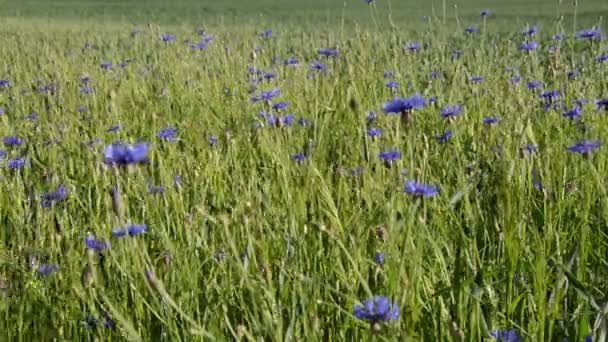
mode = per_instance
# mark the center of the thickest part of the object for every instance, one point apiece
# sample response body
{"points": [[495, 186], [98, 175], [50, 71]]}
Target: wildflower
{"points": [[266, 33], [266, 95], [54, 196], [435, 74], [379, 258], [374, 132], [16, 163], [318, 65], [31, 116], [286, 120], [506, 335], [476, 79], [376, 310], [12, 141], [156, 189], [86, 90], [584, 146], [122, 154], [280, 105], [420, 189], [4, 83], [451, 111], [371, 116], [573, 112], [485, 12], [528, 46], [602, 104], [529, 148], [2, 154], [45, 269], [400, 105], [515, 79], [392, 84], [199, 45], [413, 46], [572, 74], [212, 140], [389, 156], [471, 29], [167, 37], [328, 52], [167, 133], [602, 58], [94, 244], [591, 33], [534, 84], [558, 36], [105, 65], [114, 128], [269, 75], [490, 120], [291, 61], [298, 157], [388, 73], [444, 137], [550, 95], [530, 30]]}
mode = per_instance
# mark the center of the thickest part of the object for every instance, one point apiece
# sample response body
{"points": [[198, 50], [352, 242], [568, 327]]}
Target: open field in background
{"points": [[270, 187]]}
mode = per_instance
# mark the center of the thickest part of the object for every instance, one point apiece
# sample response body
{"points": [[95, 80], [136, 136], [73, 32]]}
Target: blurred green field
{"points": [[266, 226]]}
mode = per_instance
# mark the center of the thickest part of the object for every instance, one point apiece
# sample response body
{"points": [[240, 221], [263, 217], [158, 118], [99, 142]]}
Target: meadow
{"points": [[303, 170]]}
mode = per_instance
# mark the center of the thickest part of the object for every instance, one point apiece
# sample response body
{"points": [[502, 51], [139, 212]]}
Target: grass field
{"points": [[267, 185]]}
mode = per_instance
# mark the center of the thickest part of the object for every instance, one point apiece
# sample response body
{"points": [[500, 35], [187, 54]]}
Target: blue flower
{"points": [[45, 269], [371, 116], [602, 103], [114, 128], [490, 120], [280, 105], [105, 65], [328, 52], [167, 37], [506, 335], [136, 229], [471, 29], [4, 83], [298, 157], [392, 84], [485, 12], [388, 73], [212, 140], [374, 132], [584, 146], [515, 79], [451, 111], [550, 94], [558, 36], [2, 154], [199, 45], [266, 95], [266, 33], [420, 189], [291, 61], [156, 189], [529, 148], [528, 46], [530, 30], [602, 58], [413, 46], [573, 112], [389, 155], [400, 105], [12, 141], [16, 163], [122, 154], [476, 79], [591, 33], [379, 258], [588, 338], [57, 195], [534, 84], [376, 310], [318, 65], [167, 133], [444, 137], [86, 90], [94, 244]]}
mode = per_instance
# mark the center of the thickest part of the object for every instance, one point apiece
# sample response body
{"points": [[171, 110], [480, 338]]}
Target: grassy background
{"points": [[253, 246]]}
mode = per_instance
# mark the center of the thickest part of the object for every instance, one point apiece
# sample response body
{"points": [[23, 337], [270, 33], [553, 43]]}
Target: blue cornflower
{"points": [[530, 30], [573, 73], [156, 189], [528, 46], [291, 61], [559, 36], [12, 141], [269, 75], [550, 94], [534, 84], [94, 244], [16, 163], [199, 45], [167, 37], [573, 112], [401, 105], [392, 84], [2, 154], [485, 12], [588, 338], [31, 116], [602, 104], [413, 46], [328, 52], [57, 195], [389, 156], [376, 310], [584, 146], [266, 95], [114, 128], [105, 65], [212, 140], [123, 154], [280, 105], [286, 120], [490, 120], [433, 99], [591, 33], [86, 90], [475, 79], [318, 65], [374, 132], [435, 74], [602, 58], [515, 79], [45, 269], [299, 157], [167, 133], [266, 33], [388, 73], [370, 116], [451, 111], [303, 122], [4, 83], [136, 229], [506, 335], [379, 258], [420, 189], [471, 29], [444, 137], [529, 148]]}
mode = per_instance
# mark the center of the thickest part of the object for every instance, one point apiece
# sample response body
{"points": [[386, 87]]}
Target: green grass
{"points": [[254, 246]]}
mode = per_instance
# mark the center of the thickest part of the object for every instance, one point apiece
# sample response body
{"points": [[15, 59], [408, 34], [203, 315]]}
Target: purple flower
{"points": [[16, 163], [291, 61], [584, 146], [528, 46], [86, 90], [374, 132], [4, 83], [476, 79], [451, 111], [122, 154], [266, 33], [506, 335], [212, 140], [400, 105], [328, 52], [558, 36], [114, 128], [136, 229], [602, 58], [94, 244], [591, 33], [444, 137], [57, 195], [12, 141], [573, 112], [371, 116], [471, 29], [280, 105], [105, 65], [602, 104], [2, 154], [485, 12], [392, 84], [167, 133], [490, 120], [379, 258], [529, 148], [46, 269], [199, 45], [388, 73], [156, 189], [167, 37], [303, 122], [550, 95], [515, 79], [389, 156], [318, 65], [298, 157], [377, 309], [420, 189], [530, 30], [266, 95], [413, 46], [534, 84]]}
